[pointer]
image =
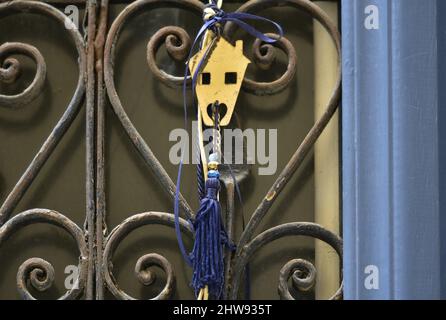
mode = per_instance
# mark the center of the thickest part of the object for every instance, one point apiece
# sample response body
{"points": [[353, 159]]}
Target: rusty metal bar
{"points": [[230, 210], [100, 155], [90, 149]]}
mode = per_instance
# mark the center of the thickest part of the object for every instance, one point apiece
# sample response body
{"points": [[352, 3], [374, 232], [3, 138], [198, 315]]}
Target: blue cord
{"points": [[213, 24]]}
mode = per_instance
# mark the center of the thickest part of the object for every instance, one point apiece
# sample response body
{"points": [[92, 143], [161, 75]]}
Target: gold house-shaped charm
{"points": [[220, 78]]}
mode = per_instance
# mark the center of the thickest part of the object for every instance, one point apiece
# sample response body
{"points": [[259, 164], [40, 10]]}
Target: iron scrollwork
{"points": [[96, 81], [38, 271], [144, 263], [177, 43]]}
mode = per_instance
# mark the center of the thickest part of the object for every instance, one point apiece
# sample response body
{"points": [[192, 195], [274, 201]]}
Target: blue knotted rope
{"points": [[206, 257], [200, 180]]}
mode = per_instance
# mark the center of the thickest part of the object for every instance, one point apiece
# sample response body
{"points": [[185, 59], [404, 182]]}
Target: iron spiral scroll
{"points": [[40, 272], [177, 43], [99, 72]]}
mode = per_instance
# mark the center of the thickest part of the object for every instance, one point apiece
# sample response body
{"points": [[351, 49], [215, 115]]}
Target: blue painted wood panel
{"points": [[391, 199], [441, 26]]}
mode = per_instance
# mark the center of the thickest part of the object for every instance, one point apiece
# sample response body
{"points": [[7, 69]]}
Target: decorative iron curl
{"points": [[303, 276], [178, 43], [144, 273], [264, 55], [144, 263], [109, 52], [10, 72], [38, 271], [307, 144], [303, 281], [264, 60], [176, 39]]}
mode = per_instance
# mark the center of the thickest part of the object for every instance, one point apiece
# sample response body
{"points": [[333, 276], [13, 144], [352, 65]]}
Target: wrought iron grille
{"points": [[95, 46]]}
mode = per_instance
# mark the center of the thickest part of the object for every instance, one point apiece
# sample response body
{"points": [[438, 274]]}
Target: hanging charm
{"points": [[217, 82], [220, 79], [217, 71]]}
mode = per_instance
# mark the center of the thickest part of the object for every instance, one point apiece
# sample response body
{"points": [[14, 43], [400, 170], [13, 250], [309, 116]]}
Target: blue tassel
{"points": [[210, 238]]}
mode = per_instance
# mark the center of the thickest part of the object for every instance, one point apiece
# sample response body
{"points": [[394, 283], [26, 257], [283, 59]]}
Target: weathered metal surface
{"points": [[137, 140], [90, 148], [144, 263], [101, 226], [308, 143], [264, 55], [10, 72], [232, 176], [285, 230], [67, 118], [178, 43], [96, 80], [38, 271]]}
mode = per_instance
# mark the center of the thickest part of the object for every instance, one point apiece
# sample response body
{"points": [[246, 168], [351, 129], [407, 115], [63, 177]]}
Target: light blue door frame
{"points": [[392, 154]]}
